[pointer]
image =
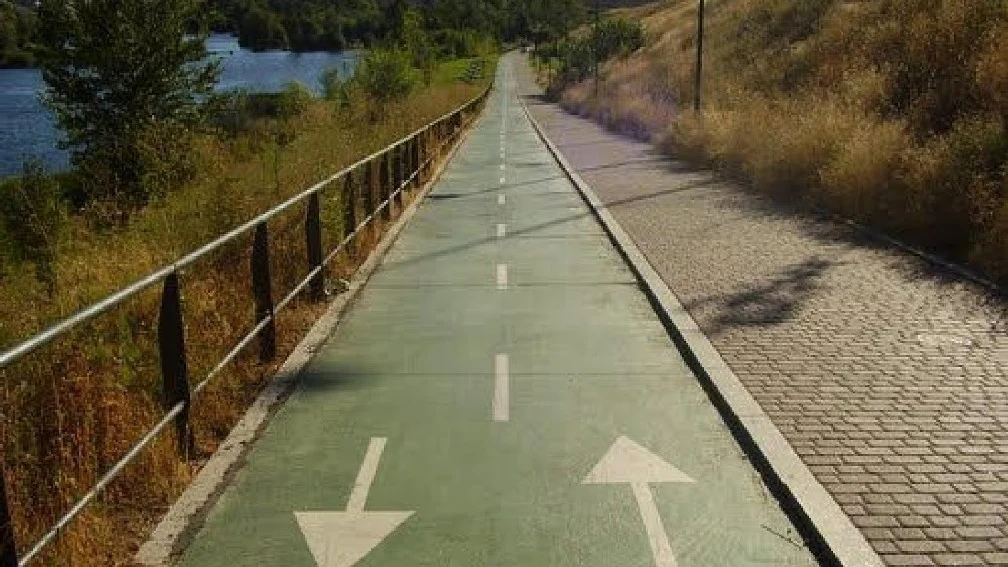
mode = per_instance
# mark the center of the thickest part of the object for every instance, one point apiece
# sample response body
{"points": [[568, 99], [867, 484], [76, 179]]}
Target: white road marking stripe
{"points": [[501, 399], [502, 181], [501, 229], [366, 476], [501, 199], [502, 276], [502, 167]]}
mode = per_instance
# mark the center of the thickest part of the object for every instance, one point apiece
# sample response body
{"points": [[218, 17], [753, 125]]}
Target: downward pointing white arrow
{"points": [[627, 462], [341, 539]]}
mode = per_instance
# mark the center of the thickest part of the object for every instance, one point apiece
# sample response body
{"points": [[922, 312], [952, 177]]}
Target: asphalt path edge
{"points": [[828, 531], [186, 517]]}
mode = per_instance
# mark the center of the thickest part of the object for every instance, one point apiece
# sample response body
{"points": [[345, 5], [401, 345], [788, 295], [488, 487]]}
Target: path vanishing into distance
{"points": [[888, 376], [501, 393]]}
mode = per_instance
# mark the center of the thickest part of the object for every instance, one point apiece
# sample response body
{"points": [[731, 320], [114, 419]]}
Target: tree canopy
{"points": [[17, 34], [303, 25], [125, 81]]}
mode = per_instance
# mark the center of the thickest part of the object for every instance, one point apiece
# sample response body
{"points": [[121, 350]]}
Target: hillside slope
{"points": [[893, 112]]}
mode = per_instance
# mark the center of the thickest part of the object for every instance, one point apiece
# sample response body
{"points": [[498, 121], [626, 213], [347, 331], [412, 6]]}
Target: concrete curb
{"points": [[828, 530], [186, 517]]}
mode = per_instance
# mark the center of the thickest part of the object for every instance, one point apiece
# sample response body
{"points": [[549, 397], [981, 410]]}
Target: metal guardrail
{"points": [[392, 170]]}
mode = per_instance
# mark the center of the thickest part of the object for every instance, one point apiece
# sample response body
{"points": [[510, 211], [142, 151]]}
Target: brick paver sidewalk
{"points": [[888, 377]]}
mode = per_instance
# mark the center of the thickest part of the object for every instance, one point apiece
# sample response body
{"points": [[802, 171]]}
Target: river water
{"points": [[27, 128]]}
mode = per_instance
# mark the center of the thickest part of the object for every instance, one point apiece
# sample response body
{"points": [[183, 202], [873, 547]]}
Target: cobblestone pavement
{"points": [[888, 377]]}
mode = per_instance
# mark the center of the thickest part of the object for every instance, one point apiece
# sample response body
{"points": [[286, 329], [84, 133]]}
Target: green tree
{"points": [[261, 30], [415, 40], [120, 74], [385, 74], [17, 31]]}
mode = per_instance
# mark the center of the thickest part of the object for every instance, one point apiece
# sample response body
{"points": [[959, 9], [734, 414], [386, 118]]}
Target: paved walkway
{"points": [[501, 394], [888, 378]]}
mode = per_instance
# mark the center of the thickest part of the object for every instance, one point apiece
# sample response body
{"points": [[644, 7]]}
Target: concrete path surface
{"points": [[887, 376], [501, 394]]}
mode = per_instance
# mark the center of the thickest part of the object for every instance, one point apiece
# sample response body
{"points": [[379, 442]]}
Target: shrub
{"points": [[293, 100], [123, 175], [33, 219], [385, 74], [336, 89], [610, 38]]}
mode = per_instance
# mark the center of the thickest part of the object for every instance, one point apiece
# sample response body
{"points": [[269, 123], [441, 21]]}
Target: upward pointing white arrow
{"points": [[627, 462], [341, 539]]}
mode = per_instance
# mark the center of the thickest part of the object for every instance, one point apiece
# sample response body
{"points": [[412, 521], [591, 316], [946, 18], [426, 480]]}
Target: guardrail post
{"points": [[313, 241], [400, 173], [368, 187], [174, 374], [8, 546], [261, 289], [428, 152], [349, 208], [415, 161], [386, 184]]}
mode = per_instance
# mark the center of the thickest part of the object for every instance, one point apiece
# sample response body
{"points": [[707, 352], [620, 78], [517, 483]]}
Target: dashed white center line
{"points": [[501, 230], [501, 399], [501, 199], [502, 167], [502, 181], [502, 279]]}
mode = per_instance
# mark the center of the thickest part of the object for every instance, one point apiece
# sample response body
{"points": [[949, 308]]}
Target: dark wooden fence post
{"points": [[386, 184], [313, 241], [8, 547], [400, 167], [174, 373], [415, 161], [368, 187], [349, 208], [261, 289]]}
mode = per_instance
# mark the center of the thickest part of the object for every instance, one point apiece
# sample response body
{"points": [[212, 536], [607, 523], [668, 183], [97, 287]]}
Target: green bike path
{"points": [[501, 394]]}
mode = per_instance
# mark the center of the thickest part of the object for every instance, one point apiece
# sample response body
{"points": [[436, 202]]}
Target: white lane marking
{"points": [[502, 397], [501, 229], [501, 199], [502, 180], [502, 276], [502, 167], [366, 476]]}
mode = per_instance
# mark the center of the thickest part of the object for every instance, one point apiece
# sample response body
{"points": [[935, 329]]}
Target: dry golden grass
{"points": [[75, 407], [891, 112]]}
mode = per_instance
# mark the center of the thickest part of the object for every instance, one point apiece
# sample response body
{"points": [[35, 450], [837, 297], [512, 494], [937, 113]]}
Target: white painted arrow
{"points": [[627, 462], [341, 539]]}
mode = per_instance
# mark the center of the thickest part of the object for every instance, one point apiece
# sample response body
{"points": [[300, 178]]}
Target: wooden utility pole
{"points": [[598, 40], [697, 87]]}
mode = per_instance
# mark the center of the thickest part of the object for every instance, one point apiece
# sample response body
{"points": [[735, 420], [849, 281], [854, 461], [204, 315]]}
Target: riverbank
{"points": [[27, 128], [892, 114], [82, 403]]}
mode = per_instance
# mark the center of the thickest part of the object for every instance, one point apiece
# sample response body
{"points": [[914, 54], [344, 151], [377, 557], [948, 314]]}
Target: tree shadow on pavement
{"points": [[772, 302], [528, 231]]}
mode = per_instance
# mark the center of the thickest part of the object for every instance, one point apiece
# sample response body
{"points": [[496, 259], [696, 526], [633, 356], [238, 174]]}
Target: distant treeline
{"points": [[455, 27], [18, 24], [305, 25]]}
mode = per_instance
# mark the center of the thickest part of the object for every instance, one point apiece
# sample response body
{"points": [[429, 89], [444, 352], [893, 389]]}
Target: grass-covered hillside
{"points": [[892, 112]]}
